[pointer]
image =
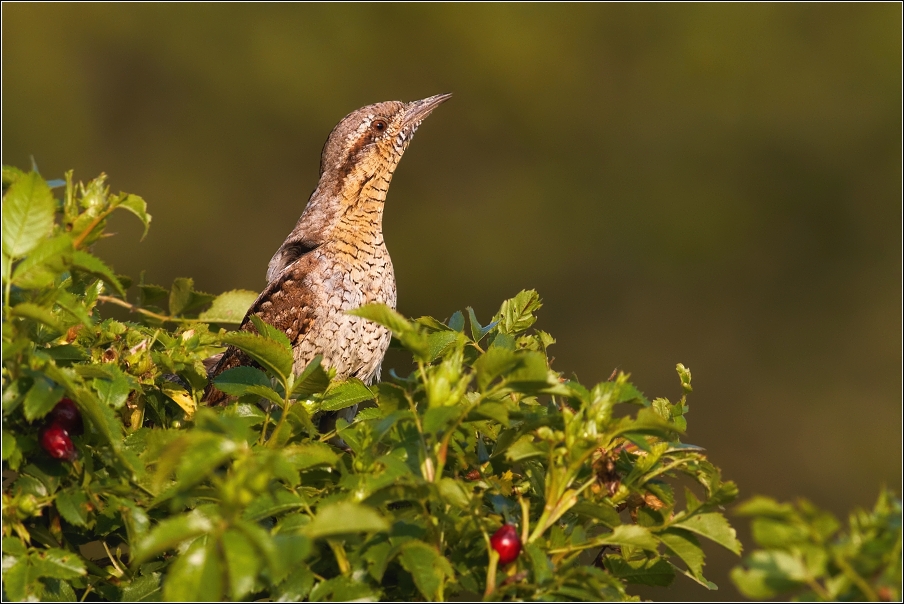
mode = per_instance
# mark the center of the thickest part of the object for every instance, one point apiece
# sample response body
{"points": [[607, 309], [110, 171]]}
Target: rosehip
{"points": [[55, 440], [66, 415], [507, 543]]}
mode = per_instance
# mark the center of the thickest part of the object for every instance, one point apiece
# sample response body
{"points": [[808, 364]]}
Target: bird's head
{"points": [[371, 140]]}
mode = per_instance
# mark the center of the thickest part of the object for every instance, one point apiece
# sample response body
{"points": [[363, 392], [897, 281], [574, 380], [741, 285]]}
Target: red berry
{"points": [[66, 415], [55, 440], [507, 543]]}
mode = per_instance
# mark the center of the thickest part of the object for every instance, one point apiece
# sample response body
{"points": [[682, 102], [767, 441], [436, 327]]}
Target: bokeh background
{"points": [[713, 185]]}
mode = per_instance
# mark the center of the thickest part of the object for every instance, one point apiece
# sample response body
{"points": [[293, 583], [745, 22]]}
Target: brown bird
{"points": [[335, 258]]}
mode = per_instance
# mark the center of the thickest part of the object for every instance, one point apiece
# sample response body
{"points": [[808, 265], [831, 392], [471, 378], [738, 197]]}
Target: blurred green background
{"points": [[713, 185]]}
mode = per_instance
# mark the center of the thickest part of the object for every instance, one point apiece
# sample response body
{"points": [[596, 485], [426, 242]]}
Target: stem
{"points": [[282, 417], [859, 581], [84, 234], [491, 572], [142, 311]]}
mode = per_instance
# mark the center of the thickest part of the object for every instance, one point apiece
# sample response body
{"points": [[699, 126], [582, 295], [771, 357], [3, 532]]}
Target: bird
{"points": [[335, 259]]}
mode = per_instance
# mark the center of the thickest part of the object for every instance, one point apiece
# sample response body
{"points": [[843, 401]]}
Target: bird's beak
{"points": [[418, 110]]}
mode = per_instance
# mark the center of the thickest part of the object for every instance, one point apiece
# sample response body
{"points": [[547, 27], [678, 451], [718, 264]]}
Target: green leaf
{"points": [[229, 307], [453, 492], [114, 391], [656, 572], [540, 563], [235, 381], [345, 394], [268, 331], [633, 535], [27, 215], [95, 266], [605, 514], [141, 588], [345, 517], [438, 342], [242, 564], [496, 362], [715, 527], [426, 566], [57, 563], [27, 310], [525, 448], [309, 455], [313, 380], [383, 315], [15, 578], [180, 295], [196, 575], [41, 398], [137, 206], [494, 411], [457, 321], [408, 334], [168, 534], [40, 268], [273, 356], [516, 314], [477, 332], [684, 545], [273, 504], [72, 504], [769, 573]]}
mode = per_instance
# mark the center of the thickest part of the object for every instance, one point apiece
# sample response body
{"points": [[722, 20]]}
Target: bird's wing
{"points": [[286, 304]]}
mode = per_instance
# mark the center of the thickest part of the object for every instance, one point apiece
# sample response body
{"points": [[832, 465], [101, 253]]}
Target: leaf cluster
{"points": [[806, 555], [171, 500]]}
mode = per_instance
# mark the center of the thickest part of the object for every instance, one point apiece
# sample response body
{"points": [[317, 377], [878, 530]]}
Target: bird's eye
{"points": [[379, 126]]}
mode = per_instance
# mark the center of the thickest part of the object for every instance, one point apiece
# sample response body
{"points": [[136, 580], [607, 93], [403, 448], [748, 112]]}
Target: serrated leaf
{"points": [[196, 575], [235, 381], [28, 310], [457, 321], [313, 380], [656, 572], [137, 206], [309, 455], [15, 578], [229, 307], [383, 315], [180, 295], [685, 545], [271, 355], [113, 391], [496, 362], [427, 567], [168, 534], [27, 215], [345, 517], [56, 563], [455, 493], [72, 506], [268, 331], [242, 564], [180, 396], [633, 535], [345, 394], [41, 398], [40, 268], [95, 266], [438, 342], [715, 527], [140, 588], [516, 314], [274, 504]]}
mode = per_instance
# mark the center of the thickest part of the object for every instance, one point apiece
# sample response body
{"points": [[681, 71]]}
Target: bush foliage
{"points": [[169, 499]]}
